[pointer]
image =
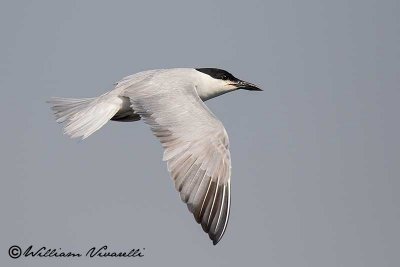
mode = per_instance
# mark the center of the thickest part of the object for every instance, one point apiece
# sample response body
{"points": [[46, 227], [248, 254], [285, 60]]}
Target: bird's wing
{"points": [[196, 148]]}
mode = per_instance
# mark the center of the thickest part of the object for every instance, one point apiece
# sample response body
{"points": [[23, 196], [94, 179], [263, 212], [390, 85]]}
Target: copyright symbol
{"points": [[14, 252]]}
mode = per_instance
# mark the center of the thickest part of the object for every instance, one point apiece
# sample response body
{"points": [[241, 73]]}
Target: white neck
{"points": [[208, 87]]}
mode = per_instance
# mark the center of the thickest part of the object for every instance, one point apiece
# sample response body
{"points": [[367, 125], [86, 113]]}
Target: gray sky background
{"points": [[315, 156]]}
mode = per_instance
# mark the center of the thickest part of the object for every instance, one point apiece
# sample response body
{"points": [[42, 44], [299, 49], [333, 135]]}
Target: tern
{"points": [[196, 144]]}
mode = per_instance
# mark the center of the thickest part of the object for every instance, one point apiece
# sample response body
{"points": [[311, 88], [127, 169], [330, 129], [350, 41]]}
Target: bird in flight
{"points": [[196, 145]]}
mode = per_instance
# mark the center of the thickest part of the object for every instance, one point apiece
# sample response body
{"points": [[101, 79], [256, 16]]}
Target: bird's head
{"points": [[217, 82]]}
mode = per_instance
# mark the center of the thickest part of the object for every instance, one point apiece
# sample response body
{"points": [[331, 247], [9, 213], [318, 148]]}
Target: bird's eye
{"points": [[224, 77]]}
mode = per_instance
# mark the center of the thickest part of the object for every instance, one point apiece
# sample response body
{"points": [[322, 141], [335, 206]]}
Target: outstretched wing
{"points": [[196, 148]]}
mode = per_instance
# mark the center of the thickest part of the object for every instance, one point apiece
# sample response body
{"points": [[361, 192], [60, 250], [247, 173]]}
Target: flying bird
{"points": [[196, 145]]}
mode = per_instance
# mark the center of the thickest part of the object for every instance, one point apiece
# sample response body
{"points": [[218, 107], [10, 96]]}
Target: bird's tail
{"points": [[84, 116]]}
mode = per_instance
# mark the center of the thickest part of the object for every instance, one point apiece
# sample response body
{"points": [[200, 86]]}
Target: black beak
{"points": [[247, 86]]}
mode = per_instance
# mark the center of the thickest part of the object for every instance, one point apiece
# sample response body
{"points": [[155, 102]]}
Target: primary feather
{"points": [[196, 145]]}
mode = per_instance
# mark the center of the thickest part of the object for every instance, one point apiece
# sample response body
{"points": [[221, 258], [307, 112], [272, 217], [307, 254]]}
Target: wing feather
{"points": [[196, 147]]}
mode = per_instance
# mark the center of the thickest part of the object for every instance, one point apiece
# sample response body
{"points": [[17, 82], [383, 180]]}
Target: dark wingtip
{"points": [[215, 241]]}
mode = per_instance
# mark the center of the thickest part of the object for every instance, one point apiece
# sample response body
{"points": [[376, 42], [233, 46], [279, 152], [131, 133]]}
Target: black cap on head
{"points": [[218, 74], [224, 75]]}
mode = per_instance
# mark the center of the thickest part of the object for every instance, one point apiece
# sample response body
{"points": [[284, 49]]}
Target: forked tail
{"points": [[82, 117]]}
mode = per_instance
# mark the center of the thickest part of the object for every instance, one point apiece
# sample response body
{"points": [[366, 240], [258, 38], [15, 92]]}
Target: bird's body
{"points": [[196, 145]]}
